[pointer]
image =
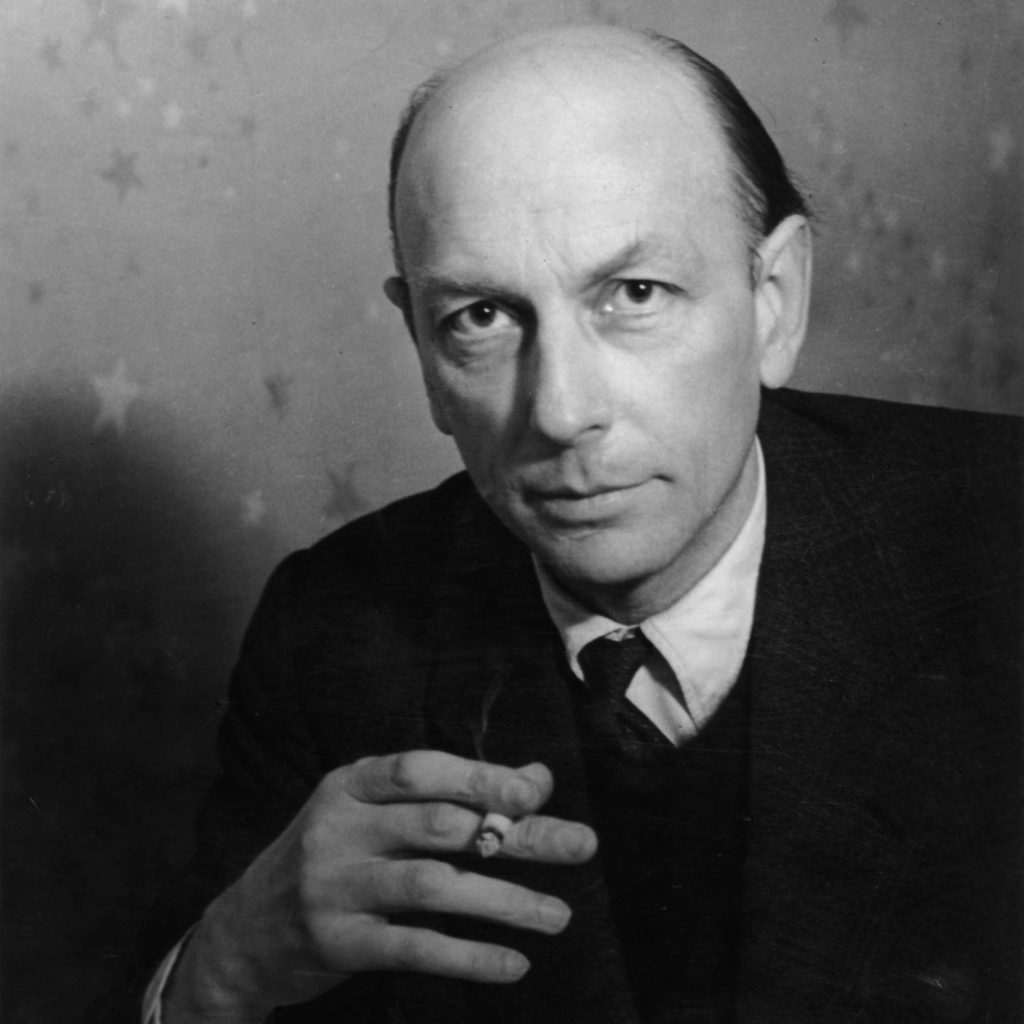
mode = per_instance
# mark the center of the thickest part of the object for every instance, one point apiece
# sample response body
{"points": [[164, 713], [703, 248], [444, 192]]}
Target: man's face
{"points": [[578, 284]]}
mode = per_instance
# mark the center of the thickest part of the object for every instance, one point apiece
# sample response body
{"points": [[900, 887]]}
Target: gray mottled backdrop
{"points": [[198, 371]]}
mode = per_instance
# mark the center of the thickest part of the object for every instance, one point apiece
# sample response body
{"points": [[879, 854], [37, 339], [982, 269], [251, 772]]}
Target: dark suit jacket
{"points": [[882, 880]]}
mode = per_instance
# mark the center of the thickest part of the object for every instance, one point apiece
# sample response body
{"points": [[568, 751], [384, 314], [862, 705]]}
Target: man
{"points": [[804, 806]]}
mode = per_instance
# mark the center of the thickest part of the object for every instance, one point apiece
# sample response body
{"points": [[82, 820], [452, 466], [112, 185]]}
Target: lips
{"points": [[572, 506]]}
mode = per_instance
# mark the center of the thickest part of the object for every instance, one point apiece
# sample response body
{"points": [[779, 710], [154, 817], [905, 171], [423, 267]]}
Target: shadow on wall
{"points": [[124, 591]]}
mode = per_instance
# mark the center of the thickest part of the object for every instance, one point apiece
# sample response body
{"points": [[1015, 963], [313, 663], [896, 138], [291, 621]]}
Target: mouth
{"points": [[569, 506]]}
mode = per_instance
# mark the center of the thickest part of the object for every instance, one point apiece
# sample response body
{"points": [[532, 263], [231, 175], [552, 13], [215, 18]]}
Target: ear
{"points": [[782, 294], [397, 291]]}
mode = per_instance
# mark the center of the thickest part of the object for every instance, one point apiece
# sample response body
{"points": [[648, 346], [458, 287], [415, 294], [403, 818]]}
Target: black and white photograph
{"points": [[511, 511]]}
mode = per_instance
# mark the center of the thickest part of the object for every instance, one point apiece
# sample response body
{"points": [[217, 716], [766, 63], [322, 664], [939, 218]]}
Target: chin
{"points": [[598, 561]]}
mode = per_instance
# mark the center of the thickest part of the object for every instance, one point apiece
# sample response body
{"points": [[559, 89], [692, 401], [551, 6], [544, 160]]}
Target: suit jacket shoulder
{"points": [[886, 763], [936, 494]]}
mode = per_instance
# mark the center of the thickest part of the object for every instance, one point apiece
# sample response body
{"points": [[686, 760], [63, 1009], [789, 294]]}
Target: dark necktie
{"points": [[608, 667]]}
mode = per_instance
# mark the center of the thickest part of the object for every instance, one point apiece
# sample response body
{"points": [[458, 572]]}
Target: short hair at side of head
{"points": [[766, 192], [764, 187]]}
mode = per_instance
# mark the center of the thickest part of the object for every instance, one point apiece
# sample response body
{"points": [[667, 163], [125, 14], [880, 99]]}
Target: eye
{"points": [[634, 296], [479, 320]]}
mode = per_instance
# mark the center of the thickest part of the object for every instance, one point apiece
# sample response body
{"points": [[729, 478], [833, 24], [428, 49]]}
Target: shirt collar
{"points": [[704, 635]]}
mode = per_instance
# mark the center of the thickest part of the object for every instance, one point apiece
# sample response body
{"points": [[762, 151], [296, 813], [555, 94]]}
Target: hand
{"points": [[314, 907]]}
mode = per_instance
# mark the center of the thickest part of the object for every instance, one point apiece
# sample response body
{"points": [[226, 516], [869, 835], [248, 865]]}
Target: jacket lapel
{"points": [[844, 840]]}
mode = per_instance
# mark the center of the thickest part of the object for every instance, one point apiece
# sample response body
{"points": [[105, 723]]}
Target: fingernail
{"points": [[519, 793], [538, 773], [554, 914], [514, 966], [579, 843]]}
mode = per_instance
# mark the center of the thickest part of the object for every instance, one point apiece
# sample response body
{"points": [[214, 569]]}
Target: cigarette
{"points": [[491, 834]]}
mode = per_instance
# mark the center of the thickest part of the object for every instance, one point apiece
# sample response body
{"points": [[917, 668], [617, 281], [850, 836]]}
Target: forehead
{"points": [[595, 141]]}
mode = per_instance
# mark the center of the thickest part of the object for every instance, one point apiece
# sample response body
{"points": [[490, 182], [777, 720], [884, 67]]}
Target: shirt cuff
{"points": [[153, 1000]]}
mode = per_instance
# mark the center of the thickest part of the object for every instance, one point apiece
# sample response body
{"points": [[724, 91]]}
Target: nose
{"points": [[568, 383]]}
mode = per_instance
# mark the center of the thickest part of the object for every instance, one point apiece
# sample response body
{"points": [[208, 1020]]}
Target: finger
{"points": [[549, 840], [430, 886], [539, 773], [433, 775], [435, 826], [445, 827], [379, 946]]}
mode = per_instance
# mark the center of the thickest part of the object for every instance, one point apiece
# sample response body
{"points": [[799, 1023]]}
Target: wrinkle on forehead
{"points": [[525, 144], [552, 145], [612, 226], [566, 95]]}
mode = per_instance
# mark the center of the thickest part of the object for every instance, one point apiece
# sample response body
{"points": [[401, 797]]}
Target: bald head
{"points": [[575, 255], [603, 67]]}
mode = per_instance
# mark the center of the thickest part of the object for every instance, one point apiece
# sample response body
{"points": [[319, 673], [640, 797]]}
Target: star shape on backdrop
{"points": [[89, 106], [50, 54], [107, 18], [1007, 364], [847, 16], [278, 385], [178, 6], [254, 509], [198, 46], [116, 394], [121, 174], [1000, 149], [345, 501], [173, 115], [938, 264]]}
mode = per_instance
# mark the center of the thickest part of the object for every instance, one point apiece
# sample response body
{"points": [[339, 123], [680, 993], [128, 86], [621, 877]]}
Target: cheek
{"points": [[479, 416], [725, 407], [474, 405], [706, 382], [700, 409]]}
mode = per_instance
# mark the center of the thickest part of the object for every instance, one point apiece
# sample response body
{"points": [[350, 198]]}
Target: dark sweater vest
{"points": [[671, 823]]}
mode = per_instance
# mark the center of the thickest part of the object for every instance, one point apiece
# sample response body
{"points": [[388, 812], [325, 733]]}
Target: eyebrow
{"points": [[629, 254], [438, 288], [440, 282], [625, 257]]}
